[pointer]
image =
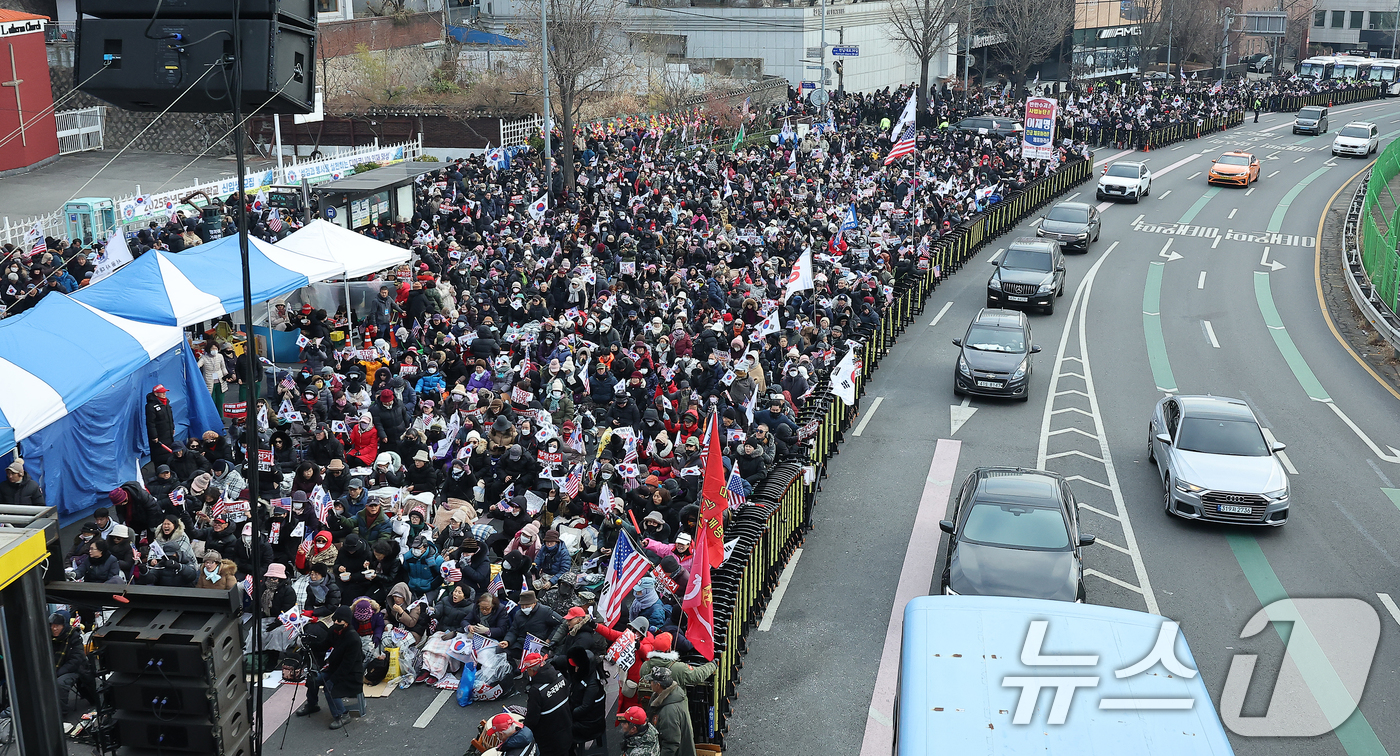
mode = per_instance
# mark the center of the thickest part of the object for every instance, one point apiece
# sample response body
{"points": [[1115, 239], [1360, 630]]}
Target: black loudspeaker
{"points": [[115, 61], [298, 12], [177, 681]]}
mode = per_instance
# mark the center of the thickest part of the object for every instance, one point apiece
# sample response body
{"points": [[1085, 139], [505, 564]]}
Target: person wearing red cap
{"points": [[639, 737], [547, 711], [160, 425], [506, 734]]}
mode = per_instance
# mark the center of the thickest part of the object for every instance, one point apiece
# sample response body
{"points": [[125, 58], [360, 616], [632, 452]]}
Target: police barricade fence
{"points": [[763, 534], [1324, 99]]}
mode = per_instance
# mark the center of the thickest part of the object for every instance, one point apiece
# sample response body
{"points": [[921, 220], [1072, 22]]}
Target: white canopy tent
{"points": [[360, 255]]}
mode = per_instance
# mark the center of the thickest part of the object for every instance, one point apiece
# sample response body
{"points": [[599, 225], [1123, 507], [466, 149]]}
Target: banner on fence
{"points": [[1038, 138]]}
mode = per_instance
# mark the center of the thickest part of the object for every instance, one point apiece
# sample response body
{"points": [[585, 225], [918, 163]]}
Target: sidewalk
{"points": [[46, 189]]}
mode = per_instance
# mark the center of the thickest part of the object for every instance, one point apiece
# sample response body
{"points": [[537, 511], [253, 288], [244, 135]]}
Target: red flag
{"points": [[699, 602], [713, 498]]}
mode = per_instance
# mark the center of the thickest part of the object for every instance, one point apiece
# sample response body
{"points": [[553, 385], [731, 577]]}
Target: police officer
{"points": [[547, 711]]}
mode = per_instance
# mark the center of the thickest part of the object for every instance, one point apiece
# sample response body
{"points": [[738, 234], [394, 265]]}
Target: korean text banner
{"points": [[1038, 139]]}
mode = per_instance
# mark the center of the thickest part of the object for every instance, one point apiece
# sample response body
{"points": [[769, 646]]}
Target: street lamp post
{"points": [[544, 68]]}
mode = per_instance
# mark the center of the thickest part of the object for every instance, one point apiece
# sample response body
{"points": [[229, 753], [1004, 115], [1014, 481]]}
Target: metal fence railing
{"points": [[779, 513], [520, 131], [80, 130], [1379, 237]]}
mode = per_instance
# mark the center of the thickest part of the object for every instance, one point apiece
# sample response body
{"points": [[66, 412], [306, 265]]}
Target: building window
{"points": [[1383, 20], [1339, 19], [327, 6], [1319, 18], [1356, 19]]}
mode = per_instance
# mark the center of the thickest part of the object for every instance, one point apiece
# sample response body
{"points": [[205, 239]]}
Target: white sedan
{"points": [[1124, 180]]}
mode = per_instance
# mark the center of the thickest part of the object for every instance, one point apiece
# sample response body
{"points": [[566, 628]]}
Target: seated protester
{"points": [[423, 566], [371, 523], [275, 595], [530, 617], [417, 521], [422, 476], [186, 462], [306, 479], [119, 543], [527, 542], [324, 447], [474, 562], [164, 569], [451, 613], [102, 567], [456, 531], [216, 573], [71, 668], [511, 512], [515, 572], [654, 528], [319, 550], [355, 498], [552, 561], [386, 473], [369, 621], [322, 592], [647, 604], [337, 522], [453, 607], [404, 613], [457, 483], [384, 571], [162, 484], [79, 553], [336, 479], [488, 618], [173, 540], [352, 558]]}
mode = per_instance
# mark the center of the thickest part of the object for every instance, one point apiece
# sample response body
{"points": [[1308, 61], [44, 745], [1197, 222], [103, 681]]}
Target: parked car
{"points": [[1015, 532], [1259, 62], [1310, 120], [986, 124], [1359, 138], [1215, 463], [1126, 180], [994, 356], [1073, 224], [1031, 273]]}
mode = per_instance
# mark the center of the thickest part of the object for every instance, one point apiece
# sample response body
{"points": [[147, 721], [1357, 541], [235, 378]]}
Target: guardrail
{"points": [[1328, 99], [779, 513], [1152, 139], [1373, 264]]}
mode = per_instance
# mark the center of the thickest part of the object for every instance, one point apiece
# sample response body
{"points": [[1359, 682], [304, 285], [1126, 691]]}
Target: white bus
{"points": [[1319, 67], [1383, 75], [1351, 67]]}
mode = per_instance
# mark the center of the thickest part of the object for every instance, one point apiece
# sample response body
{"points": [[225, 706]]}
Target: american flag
{"points": [[629, 446], [496, 585], [274, 222], [479, 643], [451, 572], [904, 146], [573, 482], [218, 508], [322, 501], [734, 489], [248, 586], [628, 566], [532, 645], [177, 497]]}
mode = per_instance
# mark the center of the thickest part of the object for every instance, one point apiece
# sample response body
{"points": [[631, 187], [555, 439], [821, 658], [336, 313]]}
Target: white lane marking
{"points": [[783, 581], [1201, 282], [941, 313], [1116, 581], [920, 561], [1249, 191], [1282, 456], [1112, 157], [997, 254], [1301, 159], [1103, 206], [1139, 218], [1179, 146], [1398, 121], [868, 414], [1193, 176], [1232, 213], [1163, 195], [426, 717], [1071, 197], [961, 413], [1210, 333], [1271, 175], [1272, 156], [1388, 601], [1393, 457], [1384, 478], [1215, 243]]}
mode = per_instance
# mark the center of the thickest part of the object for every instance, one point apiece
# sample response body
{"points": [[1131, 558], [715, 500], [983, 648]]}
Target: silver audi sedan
{"points": [[1215, 463]]}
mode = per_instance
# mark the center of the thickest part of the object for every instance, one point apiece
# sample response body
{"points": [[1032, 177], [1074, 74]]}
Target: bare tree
{"points": [[584, 59], [1032, 28], [924, 28]]}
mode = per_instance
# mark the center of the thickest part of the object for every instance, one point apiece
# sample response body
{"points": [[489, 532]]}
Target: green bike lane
{"points": [[1215, 578]]}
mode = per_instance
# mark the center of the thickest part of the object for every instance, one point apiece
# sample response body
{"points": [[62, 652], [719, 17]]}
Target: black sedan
{"points": [[995, 356], [1030, 274], [1014, 532], [1072, 224]]}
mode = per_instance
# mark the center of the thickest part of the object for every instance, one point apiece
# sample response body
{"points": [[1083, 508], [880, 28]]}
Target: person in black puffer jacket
{"points": [[453, 608], [137, 509]]}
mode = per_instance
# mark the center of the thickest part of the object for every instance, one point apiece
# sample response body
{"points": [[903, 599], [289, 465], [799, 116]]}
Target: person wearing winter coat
{"points": [[405, 614], [342, 674], [70, 660], [364, 442], [662, 655], [647, 604], [20, 489], [173, 540], [422, 475], [475, 563], [167, 572], [320, 549], [322, 591], [160, 425], [102, 566], [552, 560], [423, 565], [453, 608], [391, 418], [639, 737], [371, 523], [547, 710], [227, 480], [134, 507], [670, 711], [587, 698], [530, 617], [489, 619]]}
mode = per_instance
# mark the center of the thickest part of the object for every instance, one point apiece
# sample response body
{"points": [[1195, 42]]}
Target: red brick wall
{"points": [[339, 38]]}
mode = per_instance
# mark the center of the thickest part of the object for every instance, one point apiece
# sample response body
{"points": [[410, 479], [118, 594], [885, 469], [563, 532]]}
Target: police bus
{"points": [[1318, 67], [1383, 75], [1004, 675], [1351, 68]]}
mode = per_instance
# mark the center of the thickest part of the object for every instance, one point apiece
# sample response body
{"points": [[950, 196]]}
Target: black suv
{"points": [[1031, 273], [985, 124], [1014, 532], [995, 356]]}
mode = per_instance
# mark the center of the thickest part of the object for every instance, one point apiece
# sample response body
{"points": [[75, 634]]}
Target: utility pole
{"points": [[822, 59], [544, 67], [967, 56], [1229, 17]]}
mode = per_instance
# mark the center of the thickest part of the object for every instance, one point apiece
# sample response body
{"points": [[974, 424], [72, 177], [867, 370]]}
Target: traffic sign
{"points": [[850, 51], [808, 85], [818, 97]]}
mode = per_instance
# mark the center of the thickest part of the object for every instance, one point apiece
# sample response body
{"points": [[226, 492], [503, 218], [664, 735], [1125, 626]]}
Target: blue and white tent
{"points": [[205, 282]]}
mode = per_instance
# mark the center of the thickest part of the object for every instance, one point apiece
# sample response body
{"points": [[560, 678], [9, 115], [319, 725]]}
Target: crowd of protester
{"points": [[442, 479]]}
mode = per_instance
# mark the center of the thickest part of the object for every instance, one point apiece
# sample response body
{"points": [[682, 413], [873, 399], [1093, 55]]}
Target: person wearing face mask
{"points": [[319, 550], [242, 551], [457, 483], [531, 617], [423, 566], [526, 541], [322, 592], [343, 671], [646, 604], [216, 573], [559, 402], [551, 561]]}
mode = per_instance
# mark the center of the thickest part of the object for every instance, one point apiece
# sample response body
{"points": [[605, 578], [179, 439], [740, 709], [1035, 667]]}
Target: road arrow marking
{"points": [[1169, 255], [961, 413], [1270, 264]]}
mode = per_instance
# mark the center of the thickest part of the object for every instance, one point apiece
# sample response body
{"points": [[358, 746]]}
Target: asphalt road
{"points": [[1167, 309]]}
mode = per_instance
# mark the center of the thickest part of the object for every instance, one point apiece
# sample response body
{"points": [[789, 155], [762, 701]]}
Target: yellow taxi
{"points": [[1234, 169]]}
